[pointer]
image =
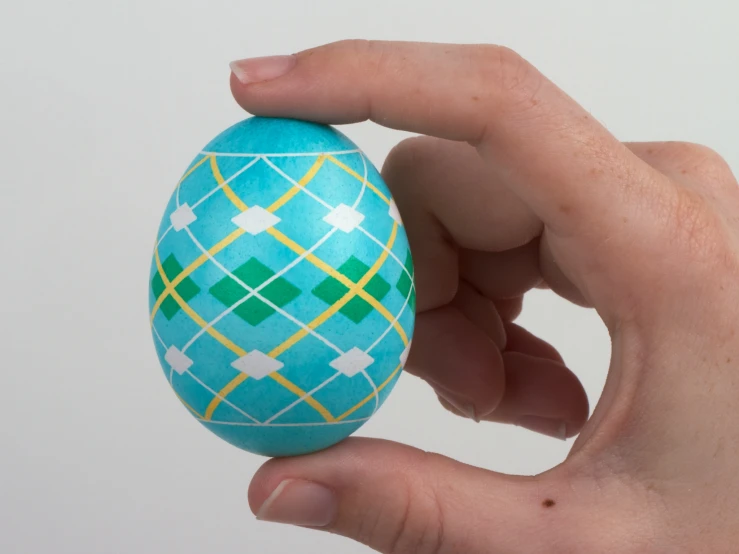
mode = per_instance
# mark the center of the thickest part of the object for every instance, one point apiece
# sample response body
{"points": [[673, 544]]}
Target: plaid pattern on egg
{"points": [[281, 290]]}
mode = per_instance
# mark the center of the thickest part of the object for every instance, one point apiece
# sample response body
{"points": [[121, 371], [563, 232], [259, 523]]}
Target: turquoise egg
{"points": [[281, 292]]}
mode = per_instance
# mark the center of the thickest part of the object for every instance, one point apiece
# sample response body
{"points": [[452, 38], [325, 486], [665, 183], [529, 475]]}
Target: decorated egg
{"points": [[282, 300]]}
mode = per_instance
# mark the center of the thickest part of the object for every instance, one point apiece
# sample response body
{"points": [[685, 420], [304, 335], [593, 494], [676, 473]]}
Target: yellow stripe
{"points": [[307, 178], [301, 393], [195, 317], [170, 287], [354, 288], [356, 175], [236, 381], [367, 297], [302, 333], [371, 396], [226, 189], [190, 171], [289, 385], [193, 410]]}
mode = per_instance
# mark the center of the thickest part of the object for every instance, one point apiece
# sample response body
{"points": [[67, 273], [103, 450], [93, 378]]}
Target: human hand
{"points": [[521, 188]]}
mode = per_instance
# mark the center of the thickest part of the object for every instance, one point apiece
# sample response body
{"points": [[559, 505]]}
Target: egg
{"points": [[282, 300]]}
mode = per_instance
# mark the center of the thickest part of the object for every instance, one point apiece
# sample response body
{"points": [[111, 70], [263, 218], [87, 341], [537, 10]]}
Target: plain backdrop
{"points": [[102, 106]]}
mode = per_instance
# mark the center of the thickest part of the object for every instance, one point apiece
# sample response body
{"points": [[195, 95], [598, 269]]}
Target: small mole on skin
{"points": [[548, 503], [475, 98]]}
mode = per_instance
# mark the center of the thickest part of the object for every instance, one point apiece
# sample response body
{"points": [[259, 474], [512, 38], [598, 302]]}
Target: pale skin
{"points": [[515, 186]]}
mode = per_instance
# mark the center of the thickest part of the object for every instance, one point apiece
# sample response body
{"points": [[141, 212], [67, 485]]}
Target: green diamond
{"points": [[404, 282], [330, 290], [253, 273], [187, 289]]}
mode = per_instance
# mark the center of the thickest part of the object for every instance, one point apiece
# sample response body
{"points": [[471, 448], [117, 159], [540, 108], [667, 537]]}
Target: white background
{"points": [[102, 106]]}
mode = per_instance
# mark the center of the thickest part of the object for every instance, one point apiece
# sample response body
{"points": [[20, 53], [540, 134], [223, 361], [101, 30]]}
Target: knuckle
{"points": [[518, 82], [695, 229], [700, 161], [374, 54], [694, 150]]}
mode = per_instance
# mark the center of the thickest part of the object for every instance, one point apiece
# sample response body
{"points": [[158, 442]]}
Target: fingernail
{"points": [[298, 502], [256, 70], [463, 406], [546, 426]]}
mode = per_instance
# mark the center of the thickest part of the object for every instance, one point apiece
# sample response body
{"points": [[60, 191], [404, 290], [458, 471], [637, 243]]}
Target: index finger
{"points": [[566, 166]]}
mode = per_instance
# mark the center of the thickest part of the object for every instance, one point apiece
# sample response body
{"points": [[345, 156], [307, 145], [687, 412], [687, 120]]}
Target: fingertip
{"points": [[263, 483], [458, 360], [545, 389]]}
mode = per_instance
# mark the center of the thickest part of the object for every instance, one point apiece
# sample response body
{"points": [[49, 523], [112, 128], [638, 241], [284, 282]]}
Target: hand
{"points": [[522, 188]]}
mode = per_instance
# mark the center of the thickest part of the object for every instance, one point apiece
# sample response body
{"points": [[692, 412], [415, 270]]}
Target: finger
{"points": [[455, 351], [397, 499], [509, 308], [481, 312], [449, 199], [554, 276], [542, 395], [451, 181], [563, 164], [525, 342], [500, 275], [459, 360]]}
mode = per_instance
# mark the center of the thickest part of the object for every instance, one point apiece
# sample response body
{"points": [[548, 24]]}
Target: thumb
{"points": [[398, 499]]}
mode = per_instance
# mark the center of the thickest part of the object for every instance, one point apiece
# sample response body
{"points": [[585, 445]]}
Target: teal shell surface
{"points": [[281, 292]]}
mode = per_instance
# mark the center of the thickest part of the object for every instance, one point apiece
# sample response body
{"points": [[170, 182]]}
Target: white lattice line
{"points": [[198, 381], [254, 292], [374, 389], [302, 398], [298, 185], [164, 234], [331, 208], [204, 198], [313, 424], [164, 345], [159, 337], [279, 155], [330, 379], [219, 187], [364, 182], [223, 399], [275, 307], [386, 249], [390, 327], [325, 204]]}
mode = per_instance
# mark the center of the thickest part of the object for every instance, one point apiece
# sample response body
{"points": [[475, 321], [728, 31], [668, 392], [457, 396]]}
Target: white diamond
{"points": [[255, 220], [182, 217], [352, 362], [404, 354], [345, 218], [394, 213], [257, 365], [179, 362]]}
